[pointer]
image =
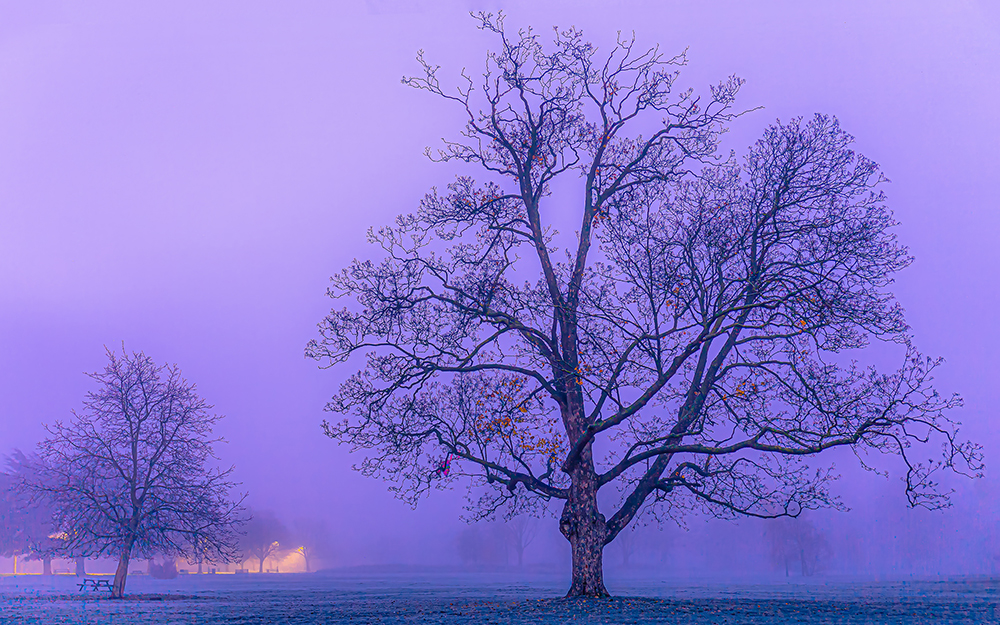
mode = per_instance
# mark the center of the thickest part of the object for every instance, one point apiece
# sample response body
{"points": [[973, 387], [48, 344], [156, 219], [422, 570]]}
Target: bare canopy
{"points": [[131, 473], [692, 327]]}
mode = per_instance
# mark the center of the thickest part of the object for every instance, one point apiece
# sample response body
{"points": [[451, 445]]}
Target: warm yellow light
{"points": [[293, 561]]}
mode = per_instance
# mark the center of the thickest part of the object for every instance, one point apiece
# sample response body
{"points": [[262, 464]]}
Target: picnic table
{"points": [[95, 584]]}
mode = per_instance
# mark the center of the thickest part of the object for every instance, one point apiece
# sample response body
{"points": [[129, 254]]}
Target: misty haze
{"points": [[651, 312]]}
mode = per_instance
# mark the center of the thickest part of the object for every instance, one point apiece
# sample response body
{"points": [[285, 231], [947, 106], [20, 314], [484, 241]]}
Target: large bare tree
{"points": [[695, 330], [132, 473]]}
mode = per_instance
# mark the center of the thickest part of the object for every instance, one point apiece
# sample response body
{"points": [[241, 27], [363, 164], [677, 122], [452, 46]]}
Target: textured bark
{"points": [[81, 567], [46, 566], [121, 573], [585, 528]]}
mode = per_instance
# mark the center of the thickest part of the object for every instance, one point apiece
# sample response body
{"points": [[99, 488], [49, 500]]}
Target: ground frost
{"points": [[405, 597]]}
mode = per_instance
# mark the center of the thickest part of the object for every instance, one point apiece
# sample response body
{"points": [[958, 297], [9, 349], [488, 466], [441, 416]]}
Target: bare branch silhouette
{"points": [[694, 324]]}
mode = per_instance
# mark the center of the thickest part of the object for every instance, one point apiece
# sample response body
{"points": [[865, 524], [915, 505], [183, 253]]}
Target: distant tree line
{"points": [[25, 527], [266, 537]]}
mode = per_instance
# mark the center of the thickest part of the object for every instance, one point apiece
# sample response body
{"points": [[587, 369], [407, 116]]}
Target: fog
{"points": [[184, 178]]}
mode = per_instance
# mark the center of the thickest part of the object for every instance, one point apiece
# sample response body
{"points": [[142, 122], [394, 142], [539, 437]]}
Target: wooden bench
{"points": [[95, 584]]}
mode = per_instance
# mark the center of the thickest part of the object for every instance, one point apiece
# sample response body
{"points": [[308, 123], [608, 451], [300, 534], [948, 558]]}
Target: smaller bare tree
{"points": [[521, 531], [163, 570], [12, 542], [792, 539], [313, 538], [627, 542], [131, 475], [26, 528], [482, 545], [264, 536]]}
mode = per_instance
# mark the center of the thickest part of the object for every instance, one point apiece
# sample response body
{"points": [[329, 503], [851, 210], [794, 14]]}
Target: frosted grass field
{"points": [[410, 596]]}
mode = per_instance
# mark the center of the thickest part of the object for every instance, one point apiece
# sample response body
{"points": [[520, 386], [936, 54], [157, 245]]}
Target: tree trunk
{"points": [[81, 568], [121, 573], [46, 566], [261, 569], [15, 564], [586, 528]]}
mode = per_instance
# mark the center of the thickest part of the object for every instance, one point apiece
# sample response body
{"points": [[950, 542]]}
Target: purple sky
{"points": [[185, 176]]}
